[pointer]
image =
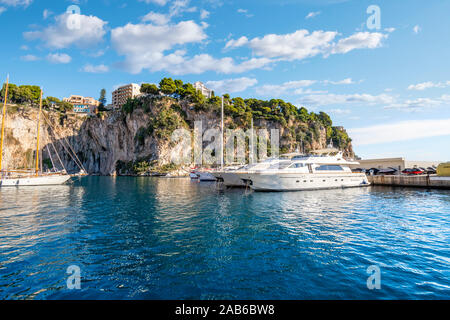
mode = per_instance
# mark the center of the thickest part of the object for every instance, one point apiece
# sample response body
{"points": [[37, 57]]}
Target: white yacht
{"points": [[310, 172], [230, 178]]}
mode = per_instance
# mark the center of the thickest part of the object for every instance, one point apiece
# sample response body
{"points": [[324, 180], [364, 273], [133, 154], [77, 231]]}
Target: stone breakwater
{"points": [[430, 181]]}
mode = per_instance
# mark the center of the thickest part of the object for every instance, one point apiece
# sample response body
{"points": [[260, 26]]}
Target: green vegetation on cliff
{"points": [[30, 95], [301, 128]]}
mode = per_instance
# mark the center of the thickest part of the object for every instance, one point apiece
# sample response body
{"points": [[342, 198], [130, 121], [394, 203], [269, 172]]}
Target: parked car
{"points": [[389, 171], [431, 170], [413, 171]]}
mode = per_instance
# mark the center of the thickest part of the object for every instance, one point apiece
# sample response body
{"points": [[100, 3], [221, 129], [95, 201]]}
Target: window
{"points": [[297, 165], [281, 165], [329, 168]]}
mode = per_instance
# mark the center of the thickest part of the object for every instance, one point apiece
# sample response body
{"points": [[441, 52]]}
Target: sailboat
{"points": [[16, 178]]}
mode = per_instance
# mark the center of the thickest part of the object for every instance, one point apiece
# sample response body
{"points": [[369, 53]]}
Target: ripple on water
{"points": [[149, 238]]}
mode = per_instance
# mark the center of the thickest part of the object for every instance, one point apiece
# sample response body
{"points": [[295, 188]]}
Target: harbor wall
{"points": [[424, 181]]}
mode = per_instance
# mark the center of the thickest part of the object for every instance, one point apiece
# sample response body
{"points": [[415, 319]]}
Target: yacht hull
{"points": [[303, 182], [230, 179], [205, 176], [35, 181]]}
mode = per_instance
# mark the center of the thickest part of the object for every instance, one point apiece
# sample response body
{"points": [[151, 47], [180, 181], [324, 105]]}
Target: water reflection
{"points": [[173, 238]]}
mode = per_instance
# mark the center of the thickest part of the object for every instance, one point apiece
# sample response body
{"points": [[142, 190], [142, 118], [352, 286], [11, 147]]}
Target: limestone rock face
{"points": [[100, 143]]}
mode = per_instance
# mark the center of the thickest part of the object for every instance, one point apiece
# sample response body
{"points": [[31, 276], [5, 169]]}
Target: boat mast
{"points": [[38, 132], [252, 146], [3, 122], [223, 125]]}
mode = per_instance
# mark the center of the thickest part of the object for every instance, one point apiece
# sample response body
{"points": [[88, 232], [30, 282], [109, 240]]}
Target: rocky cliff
{"points": [[134, 141]]}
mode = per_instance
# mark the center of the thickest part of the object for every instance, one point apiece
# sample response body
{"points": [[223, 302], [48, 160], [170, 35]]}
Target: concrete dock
{"points": [[423, 181]]}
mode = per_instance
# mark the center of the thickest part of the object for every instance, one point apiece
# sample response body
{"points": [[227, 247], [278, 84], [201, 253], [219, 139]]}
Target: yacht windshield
{"points": [[329, 168], [281, 165]]}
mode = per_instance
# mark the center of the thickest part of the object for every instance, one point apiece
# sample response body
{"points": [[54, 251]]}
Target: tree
{"points": [[102, 98], [149, 89], [188, 91], [303, 115], [325, 119], [65, 106], [198, 97], [167, 86], [239, 103], [178, 84], [51, 102]]}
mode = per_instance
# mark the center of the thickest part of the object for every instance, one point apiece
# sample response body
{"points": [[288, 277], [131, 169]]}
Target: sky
{"points": [[381, 72]]}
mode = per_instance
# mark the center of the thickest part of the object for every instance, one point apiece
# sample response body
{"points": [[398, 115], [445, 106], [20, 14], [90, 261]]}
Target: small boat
{"points": [[15, 178], [193, 175], [205, 176]]}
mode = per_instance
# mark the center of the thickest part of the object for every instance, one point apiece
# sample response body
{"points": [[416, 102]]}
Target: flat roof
{"points": [[384, 159]]}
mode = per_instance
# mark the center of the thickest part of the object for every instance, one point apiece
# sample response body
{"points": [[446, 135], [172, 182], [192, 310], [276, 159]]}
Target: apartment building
{"points": [[123, 93], [80, 100], [199, 86]]}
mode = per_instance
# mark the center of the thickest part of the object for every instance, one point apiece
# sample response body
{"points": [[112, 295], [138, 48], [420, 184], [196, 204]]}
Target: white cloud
{"points": [[176, 8], [204, 14], [29, 58], [277, 90], [237, 43], [360, 40], [63, 34], [232, 85], [47, 13], [204, 62], [245, 12], [390, 30], [156, 18], [302, 44], [146, 46], [15, 3], [340, 82], [59, 58], [340, 111], [95, 69], [312, 14], [179, 6], [297, 87], [143, 45], [2, 9], [426, 85], [330, 99], [417, 29], [400, 131], [294, 46], [158, 2], [415, 104]]}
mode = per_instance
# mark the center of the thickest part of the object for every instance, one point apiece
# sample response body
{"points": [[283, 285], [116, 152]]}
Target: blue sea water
{"points": [[146, 238]]}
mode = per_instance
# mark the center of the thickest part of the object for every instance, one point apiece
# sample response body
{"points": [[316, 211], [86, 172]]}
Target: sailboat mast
{"points": [[3, 122], [38, 132], [223, 149], [252, 153]]}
